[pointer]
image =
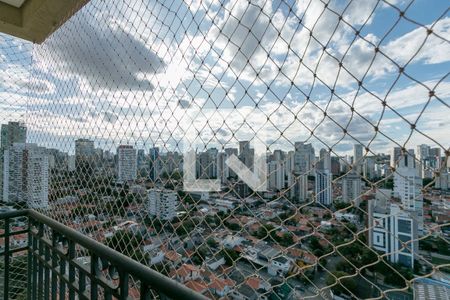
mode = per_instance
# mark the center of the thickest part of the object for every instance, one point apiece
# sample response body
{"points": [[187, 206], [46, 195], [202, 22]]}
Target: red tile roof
{"points": [[197, 286], [253, 282]]}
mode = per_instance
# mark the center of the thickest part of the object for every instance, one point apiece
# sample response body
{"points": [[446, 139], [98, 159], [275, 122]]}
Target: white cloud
{"points": [[104, 55], [430, 49], [119, 63]]}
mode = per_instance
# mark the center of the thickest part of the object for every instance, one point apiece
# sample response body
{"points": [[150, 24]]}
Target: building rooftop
{"points": [[429, 289]]}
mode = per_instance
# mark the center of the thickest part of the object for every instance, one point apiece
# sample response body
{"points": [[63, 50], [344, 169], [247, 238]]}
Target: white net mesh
{"points": [[138, 108]]}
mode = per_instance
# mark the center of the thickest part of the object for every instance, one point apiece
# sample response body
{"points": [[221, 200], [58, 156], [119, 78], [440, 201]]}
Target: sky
{"points": [[160, 72]]}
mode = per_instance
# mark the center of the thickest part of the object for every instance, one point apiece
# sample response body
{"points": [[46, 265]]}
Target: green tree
{"points": [[340, 205], [230, 256], [233, 226], [287, 239], [344, 283], [124, 242], [212, 243]]}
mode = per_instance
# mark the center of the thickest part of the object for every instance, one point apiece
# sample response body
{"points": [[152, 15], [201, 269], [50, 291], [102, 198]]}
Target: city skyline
{"points": [[303, 105], [234, 145]]}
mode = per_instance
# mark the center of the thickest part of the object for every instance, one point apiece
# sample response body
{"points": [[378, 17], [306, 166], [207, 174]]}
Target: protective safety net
{"points": [[272, 149]]}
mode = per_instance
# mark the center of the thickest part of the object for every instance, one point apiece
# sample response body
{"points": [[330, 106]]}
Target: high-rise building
{"points": [[162, 204], [26, 175], [369, 167], [278, 155], [357, 158], [247, 157], [84, 157], [303, 166], [246, 154], [335, 165], [351, 188], [344, 162], [244, 146], [395, 156], [276, 176], [229, 152], [299, 188], [126, 164], [275, 170], [170, 162], [323, 191], [393, 231], [324, 160], [289, 169], [13, 132], [71, 163], [241, 189], [408, 185], [434, 162], [423, 151], [58, 160], [443, 180], [423, 161], [154, 161], [206, 166], [222, 168], [435, 153], [141, 161]]}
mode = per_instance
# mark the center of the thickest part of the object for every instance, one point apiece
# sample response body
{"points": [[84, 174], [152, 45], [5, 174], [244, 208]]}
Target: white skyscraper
{"points": [[13, 132], [393, 231], [423, 163], [154, 162], [127, 169], [230, 152], [84, 156], [323, 189], [289, 168], [246, 154], [325, 159], [26, 175], [395, 155], [206, 166], [71, 163], [369, 167], [222, 168], [162, 204], [443, 181], [357, 157], [423, 151], [351, 188], [276, 174], [408, 185], [303, 166]]}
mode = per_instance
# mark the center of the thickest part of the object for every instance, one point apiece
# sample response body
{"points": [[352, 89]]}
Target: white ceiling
{"points": [[15, 3]]}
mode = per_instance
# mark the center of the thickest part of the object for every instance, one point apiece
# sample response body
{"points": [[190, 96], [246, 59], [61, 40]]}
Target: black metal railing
{"points": [[44, 259]]}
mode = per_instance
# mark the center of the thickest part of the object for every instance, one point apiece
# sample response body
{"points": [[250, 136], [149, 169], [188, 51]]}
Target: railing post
{"points": [[54, 266], [6, 278], [94, 274], [144, 291], [62, 273], [30, 259], [40, 251], [33, 268], [71, 254], [123, 285], [47, 273]]}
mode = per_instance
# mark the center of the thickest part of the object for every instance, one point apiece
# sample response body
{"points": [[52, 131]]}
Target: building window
{"points": [[404, 226]]}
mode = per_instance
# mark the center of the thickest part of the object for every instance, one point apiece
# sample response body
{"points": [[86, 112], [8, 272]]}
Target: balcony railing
{"points": [[43, 259]]}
